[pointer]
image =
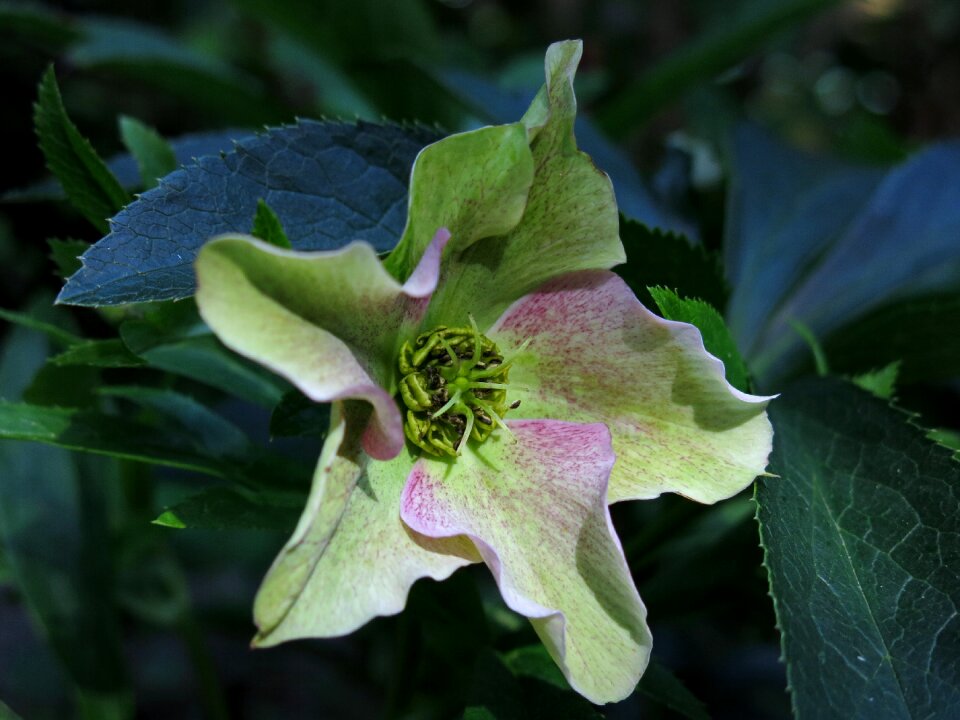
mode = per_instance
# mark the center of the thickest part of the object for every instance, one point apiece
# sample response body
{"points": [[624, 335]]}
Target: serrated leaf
{"points": [[267, 226], [66, 254], [153, 154], [186, 149], [329, 183], [920, 332], [90, 186], [222, 508], [98, 353], [862, 538], [716, 337], [825, 243], [658, 257]]}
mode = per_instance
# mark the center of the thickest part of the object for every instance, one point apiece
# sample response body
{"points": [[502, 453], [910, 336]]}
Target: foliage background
{"points": [[159, 619]]}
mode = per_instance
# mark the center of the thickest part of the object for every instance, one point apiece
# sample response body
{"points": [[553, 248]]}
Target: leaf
{"points": [[154, 156], [91, 187], [329, 183], [152, 58], [500, 105], [862, 539], [825, 243], [54, 332], [663, 687], [174, 339], [718, 48], [34, 23], [54, 533], [186, 148], [267, 227], [98, 353], [223, 508], [880, 383], [920, 332], [114, 435], [6, 713], [716, 336], [657, 257], [66, 254]]}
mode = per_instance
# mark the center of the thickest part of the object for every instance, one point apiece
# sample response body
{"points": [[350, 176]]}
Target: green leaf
{"points": [[716, 336], [95, 432], [37, 24], [663, 687], [66, 254], [224, 508], [6, 713], [920, 332], [54, 332], [656, 257], [98, 353], [718, 48], [862, 539], [267, 226], [90, 186], [880, 383], [155, 158]]}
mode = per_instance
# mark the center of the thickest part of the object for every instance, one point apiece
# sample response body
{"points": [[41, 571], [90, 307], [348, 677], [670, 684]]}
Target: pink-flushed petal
{"points": [[536, 510], [597, 355], [329, 322], [350, 558]]}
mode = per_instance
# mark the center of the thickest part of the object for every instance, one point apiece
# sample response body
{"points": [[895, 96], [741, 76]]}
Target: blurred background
{"points": [[163, 616]]}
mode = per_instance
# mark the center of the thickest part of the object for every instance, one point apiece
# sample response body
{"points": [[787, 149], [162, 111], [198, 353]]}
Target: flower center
{"points": [[454, 386]]}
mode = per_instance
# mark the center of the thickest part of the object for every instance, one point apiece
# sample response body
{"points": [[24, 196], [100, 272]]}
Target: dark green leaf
{"points": [[54, 532], [920, 332], [824, 243], [329, 183], [862, 538], [91, 187], [6, 713], [95, 432], [66, 254], [296, 415], [267, 226], [98, 353], [223, 508], [54, 332], [716, 336], [153, 154], [701, 60], [35, 23], [656, 257]]}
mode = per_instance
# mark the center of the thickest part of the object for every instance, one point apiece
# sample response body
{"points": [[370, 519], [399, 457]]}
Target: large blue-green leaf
{"points": [[823, 243], [499, 105], [862, 538], [329, 183]]}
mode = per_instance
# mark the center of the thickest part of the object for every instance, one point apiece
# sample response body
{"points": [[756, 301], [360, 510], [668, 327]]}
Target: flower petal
{"points": [[596, 354], [536, 509], [570, 221], [327, 321], [350, 558]]}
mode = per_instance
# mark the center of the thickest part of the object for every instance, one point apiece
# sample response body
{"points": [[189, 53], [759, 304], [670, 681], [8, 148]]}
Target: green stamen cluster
{"points": [[454, 386]]}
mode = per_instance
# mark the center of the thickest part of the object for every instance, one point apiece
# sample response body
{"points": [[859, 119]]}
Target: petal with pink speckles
{"points": [[597, 355], [350, 558], [536, 510], [327, 321]]}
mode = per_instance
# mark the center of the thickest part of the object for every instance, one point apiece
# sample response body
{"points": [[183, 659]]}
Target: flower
{"points": [[498, 291]]}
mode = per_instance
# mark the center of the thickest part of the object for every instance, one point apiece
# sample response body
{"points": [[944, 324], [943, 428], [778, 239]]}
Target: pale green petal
{"points": [[536, 509], [597, 355], [570, 222], [330, 322], [475, 184], [351, 558]]}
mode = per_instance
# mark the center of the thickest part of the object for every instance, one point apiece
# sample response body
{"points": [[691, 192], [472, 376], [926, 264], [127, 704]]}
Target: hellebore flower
{"points": [[498, 292]]}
